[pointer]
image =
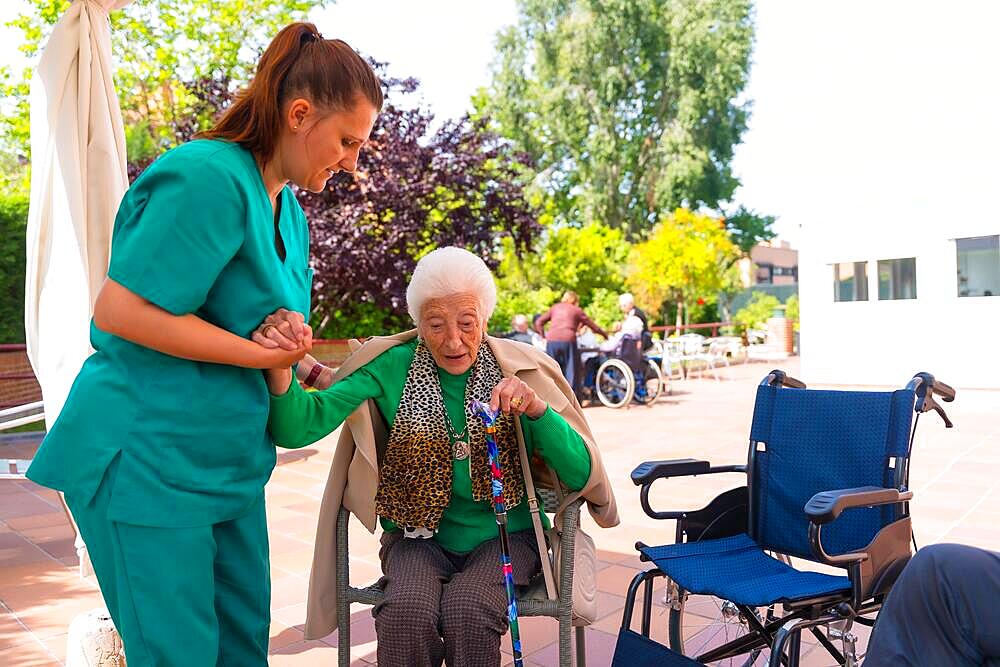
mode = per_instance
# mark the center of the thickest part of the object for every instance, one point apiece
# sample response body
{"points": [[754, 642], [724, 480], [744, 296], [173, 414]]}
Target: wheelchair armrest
{"points": [[649, 471], [826, 506], [646, 473]]}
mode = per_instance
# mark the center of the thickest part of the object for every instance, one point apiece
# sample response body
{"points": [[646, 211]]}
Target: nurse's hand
{"points": [[285, 329]]}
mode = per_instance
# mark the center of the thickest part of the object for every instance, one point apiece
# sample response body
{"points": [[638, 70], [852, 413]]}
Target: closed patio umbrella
{"points": [[78, 177]]}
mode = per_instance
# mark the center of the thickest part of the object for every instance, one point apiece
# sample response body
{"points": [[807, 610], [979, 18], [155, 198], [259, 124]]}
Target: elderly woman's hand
{"points": [[285, 329], [514, 397]]}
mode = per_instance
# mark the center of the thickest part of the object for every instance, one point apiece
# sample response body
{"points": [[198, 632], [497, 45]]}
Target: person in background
{"points": [[564, 319], [520, 331], [587, 345], [626, 302]]}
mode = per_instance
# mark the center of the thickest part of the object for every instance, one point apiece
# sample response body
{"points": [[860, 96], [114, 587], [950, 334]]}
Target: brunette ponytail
{"points": [[297, 63]]}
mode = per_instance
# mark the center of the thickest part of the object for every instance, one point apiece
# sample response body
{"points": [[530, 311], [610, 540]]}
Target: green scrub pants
{"points": [[182, 596]]}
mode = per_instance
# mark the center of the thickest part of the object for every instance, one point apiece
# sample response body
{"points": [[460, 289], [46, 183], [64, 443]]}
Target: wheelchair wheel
{"points": [[699, 623], [648, 391], [615, 383]]}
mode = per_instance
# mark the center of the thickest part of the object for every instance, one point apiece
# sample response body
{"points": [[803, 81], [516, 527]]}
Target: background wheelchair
{"points": [[626, 375], [733, 596]]}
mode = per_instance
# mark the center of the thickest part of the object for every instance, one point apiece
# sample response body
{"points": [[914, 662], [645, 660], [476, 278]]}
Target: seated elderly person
{"points": [[415, 456]]}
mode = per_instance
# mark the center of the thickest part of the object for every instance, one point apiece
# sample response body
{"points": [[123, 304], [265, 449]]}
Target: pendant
{"points": [[461, 450]]}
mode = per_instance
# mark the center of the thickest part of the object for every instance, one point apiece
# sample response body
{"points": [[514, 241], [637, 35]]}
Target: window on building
{"points": [[897, 278], [765, 273], [850, 281], [978, 266]]}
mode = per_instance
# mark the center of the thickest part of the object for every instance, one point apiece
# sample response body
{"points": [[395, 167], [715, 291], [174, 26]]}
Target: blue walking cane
{"points": [[489, 418]]}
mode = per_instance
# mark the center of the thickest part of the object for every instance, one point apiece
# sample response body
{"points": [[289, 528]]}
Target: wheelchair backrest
{"points": [[630, 351], [804, 441]]}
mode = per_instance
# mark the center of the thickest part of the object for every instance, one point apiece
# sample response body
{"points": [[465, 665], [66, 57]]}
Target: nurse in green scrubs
{"points": [[162, 447]]}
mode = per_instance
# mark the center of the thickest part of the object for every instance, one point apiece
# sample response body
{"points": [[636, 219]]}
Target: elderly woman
{"points": [[414, 455]]}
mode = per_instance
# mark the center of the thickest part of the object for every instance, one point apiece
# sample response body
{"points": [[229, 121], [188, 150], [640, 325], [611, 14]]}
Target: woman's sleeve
{"points": [[299, 418], [179, 225], [560, 447]]}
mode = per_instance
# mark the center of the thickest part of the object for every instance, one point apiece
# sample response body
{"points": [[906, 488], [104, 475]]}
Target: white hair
{"points": [[626, 299], [447, 272]]}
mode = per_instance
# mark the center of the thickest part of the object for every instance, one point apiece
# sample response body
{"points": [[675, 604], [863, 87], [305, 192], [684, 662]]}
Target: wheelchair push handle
{"points": [[925, 387], [946, 393], [778, 378]]}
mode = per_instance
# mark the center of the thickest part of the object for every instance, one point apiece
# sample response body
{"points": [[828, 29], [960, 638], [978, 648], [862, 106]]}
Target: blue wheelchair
{"points": [[628, 375], [827, 481]]}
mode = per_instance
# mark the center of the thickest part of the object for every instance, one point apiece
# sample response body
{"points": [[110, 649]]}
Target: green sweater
{"points": [[299, 418]]}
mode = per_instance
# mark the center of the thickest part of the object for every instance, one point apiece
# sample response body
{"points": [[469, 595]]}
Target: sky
{"points": [[857, 105]]}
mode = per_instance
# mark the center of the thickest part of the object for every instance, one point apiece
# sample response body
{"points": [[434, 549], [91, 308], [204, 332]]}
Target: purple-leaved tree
{"points": [[413, 192]]}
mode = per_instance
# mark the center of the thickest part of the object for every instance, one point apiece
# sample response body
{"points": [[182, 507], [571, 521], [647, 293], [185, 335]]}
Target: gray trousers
{"points": [[941, 612], [443, 606]]}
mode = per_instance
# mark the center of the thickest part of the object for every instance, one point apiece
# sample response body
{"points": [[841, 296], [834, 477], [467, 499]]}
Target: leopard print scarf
{"points": [[414, 486]]}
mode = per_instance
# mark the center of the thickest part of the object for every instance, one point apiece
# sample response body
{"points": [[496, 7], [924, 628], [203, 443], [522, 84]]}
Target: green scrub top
{"points": [[194, 234]]}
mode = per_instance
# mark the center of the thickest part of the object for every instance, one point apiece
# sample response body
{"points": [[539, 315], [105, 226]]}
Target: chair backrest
{"points": [[692, 343], [804, 441]]}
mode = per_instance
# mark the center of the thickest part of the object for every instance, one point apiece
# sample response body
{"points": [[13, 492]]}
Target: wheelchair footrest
{"points": [[634, 650]]}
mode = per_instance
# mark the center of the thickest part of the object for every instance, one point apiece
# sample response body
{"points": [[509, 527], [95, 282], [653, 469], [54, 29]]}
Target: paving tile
{"points": [[47, 519], [12, 631], [34, 654]]}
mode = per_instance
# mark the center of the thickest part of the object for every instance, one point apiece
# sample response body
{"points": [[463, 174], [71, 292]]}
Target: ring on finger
{"points": [[267, 327], [516, 403]]}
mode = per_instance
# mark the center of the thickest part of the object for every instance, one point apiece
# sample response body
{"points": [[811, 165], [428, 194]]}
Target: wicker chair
{"points": [[531, 600]]}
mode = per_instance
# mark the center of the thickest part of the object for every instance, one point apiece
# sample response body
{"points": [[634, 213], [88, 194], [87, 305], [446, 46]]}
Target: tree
{"points": [[747, 228], [683, 260], [159, 45], [413, 192], [628, 108]]}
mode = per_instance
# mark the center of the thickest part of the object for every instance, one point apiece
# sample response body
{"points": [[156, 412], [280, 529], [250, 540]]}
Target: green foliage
{"points": [[684, 259], [139, 143], [756, 313], [628, 108], [792, 310], [358, 320], [13, 226], [603, 307], [747, 228], [583, 259], [158, 44]]}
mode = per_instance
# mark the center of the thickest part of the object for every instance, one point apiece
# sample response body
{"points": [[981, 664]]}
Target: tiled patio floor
{"points": [[954, 474]]}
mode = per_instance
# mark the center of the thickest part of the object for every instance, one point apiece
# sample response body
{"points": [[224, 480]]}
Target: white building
{"points": [[874, 134], [881, 300]]}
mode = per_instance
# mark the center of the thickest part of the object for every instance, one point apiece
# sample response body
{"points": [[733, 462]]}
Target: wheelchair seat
{"points": [[737, 569]]}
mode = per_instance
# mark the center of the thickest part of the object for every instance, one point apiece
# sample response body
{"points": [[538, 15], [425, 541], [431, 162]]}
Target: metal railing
{"points": [[666, 330]]}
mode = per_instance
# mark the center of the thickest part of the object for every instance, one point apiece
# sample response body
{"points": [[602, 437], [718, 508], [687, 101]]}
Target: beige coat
{"points": [[354, 473]]}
